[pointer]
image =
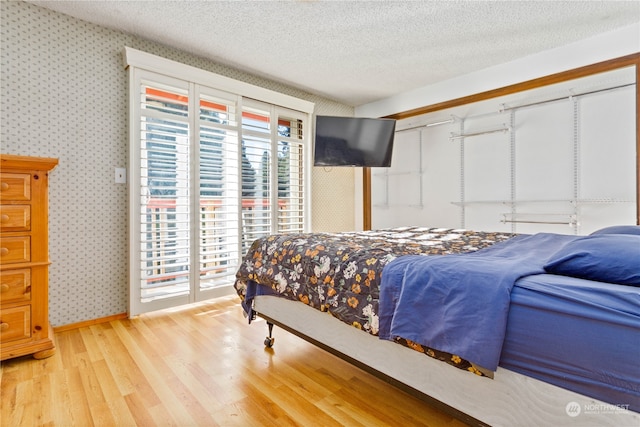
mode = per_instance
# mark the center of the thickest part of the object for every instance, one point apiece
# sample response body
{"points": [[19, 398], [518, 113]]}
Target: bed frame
{"points": [[510, 399]]}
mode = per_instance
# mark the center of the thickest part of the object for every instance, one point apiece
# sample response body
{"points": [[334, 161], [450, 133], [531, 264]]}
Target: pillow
{"points": [[613, 258], [618, 229]]}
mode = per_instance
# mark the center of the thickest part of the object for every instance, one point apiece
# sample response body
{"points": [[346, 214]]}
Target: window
{"points": [[210, 172]]}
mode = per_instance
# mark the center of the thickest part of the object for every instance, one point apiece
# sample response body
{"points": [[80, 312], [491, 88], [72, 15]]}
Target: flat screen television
{"points": [[353, 141]]}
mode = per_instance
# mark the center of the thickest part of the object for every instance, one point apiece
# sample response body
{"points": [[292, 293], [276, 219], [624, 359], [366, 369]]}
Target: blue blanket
{"points": [[253, 290], [460, 303]]}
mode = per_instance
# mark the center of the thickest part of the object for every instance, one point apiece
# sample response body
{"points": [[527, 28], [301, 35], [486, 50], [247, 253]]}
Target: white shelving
{"points": [[558, 159]]}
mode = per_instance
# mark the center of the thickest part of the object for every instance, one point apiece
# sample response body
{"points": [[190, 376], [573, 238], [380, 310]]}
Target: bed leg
{"points": [[268, 342]]}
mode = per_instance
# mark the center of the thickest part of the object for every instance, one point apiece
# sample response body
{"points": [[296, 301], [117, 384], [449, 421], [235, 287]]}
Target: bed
{"points": [[555, 342]]}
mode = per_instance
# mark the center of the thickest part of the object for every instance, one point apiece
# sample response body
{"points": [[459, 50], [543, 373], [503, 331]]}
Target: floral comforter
{"points": [[340, 273]]}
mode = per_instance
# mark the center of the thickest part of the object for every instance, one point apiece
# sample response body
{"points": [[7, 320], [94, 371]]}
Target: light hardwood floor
{"points": [[199, 365]]}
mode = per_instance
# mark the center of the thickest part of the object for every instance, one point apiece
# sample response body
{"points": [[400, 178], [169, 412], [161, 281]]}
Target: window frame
{"points": [[140, 65]]}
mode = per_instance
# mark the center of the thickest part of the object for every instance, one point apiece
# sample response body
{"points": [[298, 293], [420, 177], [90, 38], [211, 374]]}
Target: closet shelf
{"points": [[454, 136], [567, 201], [404, 173], [540, 218], [398, 205], [532, 221]]}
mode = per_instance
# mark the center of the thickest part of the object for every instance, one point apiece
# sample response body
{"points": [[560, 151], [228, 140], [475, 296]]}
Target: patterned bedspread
{"points": [[339, 273]]}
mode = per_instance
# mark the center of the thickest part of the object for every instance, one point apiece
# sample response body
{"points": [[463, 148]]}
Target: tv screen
{"points": [[353, 141]]}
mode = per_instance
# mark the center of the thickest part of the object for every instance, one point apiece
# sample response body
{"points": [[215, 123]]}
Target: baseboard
{"points": [[89, 322]]}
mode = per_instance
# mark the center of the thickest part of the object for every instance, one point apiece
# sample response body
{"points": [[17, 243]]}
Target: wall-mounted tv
{"points": [[353, 141]]}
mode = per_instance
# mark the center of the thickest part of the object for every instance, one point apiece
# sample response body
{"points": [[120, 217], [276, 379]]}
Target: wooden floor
{"points": [[199, 365]]}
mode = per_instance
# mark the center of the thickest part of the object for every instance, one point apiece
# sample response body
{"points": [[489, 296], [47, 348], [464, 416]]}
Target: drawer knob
{"points": [[4, 288], [4, 186], [4, 326], [4, 218], [4, 251]]}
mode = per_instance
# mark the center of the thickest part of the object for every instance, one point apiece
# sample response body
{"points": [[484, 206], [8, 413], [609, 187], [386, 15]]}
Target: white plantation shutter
{"points": [[218, 190], [291, 172], [257, 158], [210, 171], [164, 206]]}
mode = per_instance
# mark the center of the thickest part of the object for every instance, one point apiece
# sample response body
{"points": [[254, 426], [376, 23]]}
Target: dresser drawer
{"points": [[15, 323], [15, 285], [15, 218], [15, 249], [15, 186]]}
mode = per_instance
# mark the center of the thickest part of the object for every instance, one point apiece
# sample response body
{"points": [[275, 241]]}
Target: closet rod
{"points": [[504, 221], [503, 108], [442, 122], [428, 125], [465, 135]]}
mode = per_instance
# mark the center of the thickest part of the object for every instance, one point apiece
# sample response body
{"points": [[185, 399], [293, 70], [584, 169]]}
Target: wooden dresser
{"points": [[24, 257]]}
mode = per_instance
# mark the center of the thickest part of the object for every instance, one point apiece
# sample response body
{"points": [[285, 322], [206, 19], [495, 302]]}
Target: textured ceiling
{"points": [[357, 51]]}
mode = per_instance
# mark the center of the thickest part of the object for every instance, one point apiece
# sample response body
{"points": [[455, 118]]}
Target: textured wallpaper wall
{"points": [[64, 95]]}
